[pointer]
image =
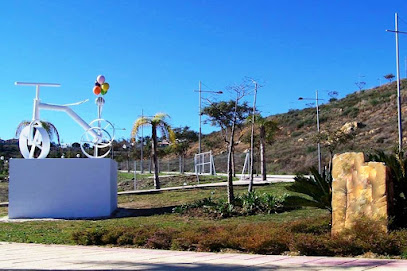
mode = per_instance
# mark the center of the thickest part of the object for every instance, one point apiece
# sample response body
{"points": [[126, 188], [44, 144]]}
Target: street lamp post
{"points": [[398, 81], [318, 145], [200, 111]]}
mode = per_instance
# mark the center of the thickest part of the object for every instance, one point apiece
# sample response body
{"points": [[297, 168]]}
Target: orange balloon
{"points": [[97, 90]]}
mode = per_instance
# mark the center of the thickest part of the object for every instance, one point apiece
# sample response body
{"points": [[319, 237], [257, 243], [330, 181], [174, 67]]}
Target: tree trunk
{"points": [[231, 196], [154, 154], [183, 163], [233, 162], [263, 153]]}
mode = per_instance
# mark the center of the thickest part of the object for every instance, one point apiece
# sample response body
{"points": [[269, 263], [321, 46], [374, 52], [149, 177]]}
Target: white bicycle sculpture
{"points": [[34, 141]]}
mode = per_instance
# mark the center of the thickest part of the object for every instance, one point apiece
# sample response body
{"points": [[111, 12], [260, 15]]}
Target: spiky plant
{"points": [[157, 122], [48, 126], [317, 186], [397, 163]]}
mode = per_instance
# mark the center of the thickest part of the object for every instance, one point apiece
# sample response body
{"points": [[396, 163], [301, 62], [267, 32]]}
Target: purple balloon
{"points": [[100, 79]]}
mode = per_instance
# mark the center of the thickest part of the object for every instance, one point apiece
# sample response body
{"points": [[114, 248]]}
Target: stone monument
{"points": [[359, 190]]}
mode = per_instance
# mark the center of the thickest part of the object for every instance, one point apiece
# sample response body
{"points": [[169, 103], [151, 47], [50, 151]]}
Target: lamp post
{"points": [[398, 81], [200, 111], [319, 146]]}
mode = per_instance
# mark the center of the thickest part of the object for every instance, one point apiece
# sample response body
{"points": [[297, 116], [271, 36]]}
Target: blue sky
{"points": [[153, 54]]}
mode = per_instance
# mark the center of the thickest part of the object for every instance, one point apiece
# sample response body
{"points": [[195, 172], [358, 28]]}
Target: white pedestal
{"points": [[62, 188]]}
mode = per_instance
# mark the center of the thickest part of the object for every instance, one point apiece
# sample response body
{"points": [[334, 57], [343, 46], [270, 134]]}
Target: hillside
{"points": [[374, 112]]}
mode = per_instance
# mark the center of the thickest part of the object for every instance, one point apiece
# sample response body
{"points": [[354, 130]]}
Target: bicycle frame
{"points": [[38, 105]]}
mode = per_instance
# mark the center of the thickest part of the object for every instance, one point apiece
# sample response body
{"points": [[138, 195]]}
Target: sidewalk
{"points": [[56, 257]]}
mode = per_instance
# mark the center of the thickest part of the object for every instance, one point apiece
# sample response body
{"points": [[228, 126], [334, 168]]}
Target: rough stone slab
{"points": [[359, 189]]}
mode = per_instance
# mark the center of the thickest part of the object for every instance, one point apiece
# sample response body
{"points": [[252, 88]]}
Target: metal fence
{"points": [[174, 165]]}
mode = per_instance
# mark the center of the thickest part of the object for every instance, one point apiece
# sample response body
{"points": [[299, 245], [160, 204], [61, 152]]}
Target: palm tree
{"points": [[158, 121], [48, 126], [267, 129]]}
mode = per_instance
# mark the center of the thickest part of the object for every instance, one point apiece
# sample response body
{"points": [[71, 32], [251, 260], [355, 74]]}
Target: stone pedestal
{"points": [[359, 190], [62, 188]]}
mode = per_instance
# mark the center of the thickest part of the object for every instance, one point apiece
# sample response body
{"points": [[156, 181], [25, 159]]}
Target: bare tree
{"points": [[361, 85]]}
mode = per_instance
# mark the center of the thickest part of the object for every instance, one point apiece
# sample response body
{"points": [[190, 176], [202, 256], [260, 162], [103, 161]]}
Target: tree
{"points": [[333, 96], [267, 129], [332, 139], [226, 114], [76, 145], [158, 121], [229, 116], [361, 85], [184, 136], [48, 126], [389, 77]]}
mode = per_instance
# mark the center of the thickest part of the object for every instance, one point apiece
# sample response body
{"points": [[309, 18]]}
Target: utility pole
{"points": [[319, 145], [200, 116], [398, 81], [252, 139], [142, 147]]}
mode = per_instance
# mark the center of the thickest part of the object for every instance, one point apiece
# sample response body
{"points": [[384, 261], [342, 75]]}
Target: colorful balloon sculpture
{"points": [[101, 86]]}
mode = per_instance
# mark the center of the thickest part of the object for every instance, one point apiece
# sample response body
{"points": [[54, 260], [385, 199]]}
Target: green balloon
{"points": [[103, 92]]}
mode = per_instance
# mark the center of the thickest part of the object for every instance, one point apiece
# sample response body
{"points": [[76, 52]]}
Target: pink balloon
{"points": [[100, 79]]}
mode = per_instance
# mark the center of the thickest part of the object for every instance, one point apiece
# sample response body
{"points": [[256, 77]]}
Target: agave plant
{"points": [[317, 186], [397, 163], [48, 126]]}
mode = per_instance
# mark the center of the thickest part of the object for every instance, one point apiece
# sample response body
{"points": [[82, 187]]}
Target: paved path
{"points": [[56, 257]]}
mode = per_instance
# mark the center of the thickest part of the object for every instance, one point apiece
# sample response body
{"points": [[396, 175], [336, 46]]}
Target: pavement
{"points": [[16, 256]]}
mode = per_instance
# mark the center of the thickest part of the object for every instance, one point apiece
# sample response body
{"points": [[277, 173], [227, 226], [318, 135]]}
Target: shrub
{"points": [[318, 187], [161, 239], [397, 163], [311, 149], [92, 236], [249, 203]]}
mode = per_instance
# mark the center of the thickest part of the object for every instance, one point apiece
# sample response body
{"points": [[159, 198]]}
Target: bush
{"points": [[249, 203], [318, 187], [306, 236]]}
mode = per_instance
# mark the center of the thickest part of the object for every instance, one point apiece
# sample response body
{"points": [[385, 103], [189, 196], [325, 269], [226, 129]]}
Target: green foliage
{"points": [[311, 149], [397, 163], [318, 187], [351, 112], [222, 113], [48, 126], [249, 203]]}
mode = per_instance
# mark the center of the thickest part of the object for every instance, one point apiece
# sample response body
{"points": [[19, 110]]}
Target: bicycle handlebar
{"points": [[37, 84]]}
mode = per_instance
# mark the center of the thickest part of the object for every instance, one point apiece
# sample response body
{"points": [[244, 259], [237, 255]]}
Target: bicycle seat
{"points": [[78, 103]]}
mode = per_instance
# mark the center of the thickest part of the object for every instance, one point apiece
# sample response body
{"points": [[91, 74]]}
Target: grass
{"points": [[3, 191], [60, 231], [146, 181], [302, 231]]}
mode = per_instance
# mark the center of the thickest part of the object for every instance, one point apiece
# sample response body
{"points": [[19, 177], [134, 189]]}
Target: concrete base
{"points": [[62, 188]]}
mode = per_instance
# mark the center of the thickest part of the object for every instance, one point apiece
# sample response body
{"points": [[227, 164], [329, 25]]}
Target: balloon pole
{"points": [[100, 102], [101, 87]]}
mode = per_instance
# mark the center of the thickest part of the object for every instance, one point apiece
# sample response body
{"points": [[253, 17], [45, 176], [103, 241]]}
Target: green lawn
{"points": [[146, 181], [60, 231], [3, 191]]}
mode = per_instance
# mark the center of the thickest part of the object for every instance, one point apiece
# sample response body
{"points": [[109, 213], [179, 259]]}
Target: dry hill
{"points": [[371, 114]]}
